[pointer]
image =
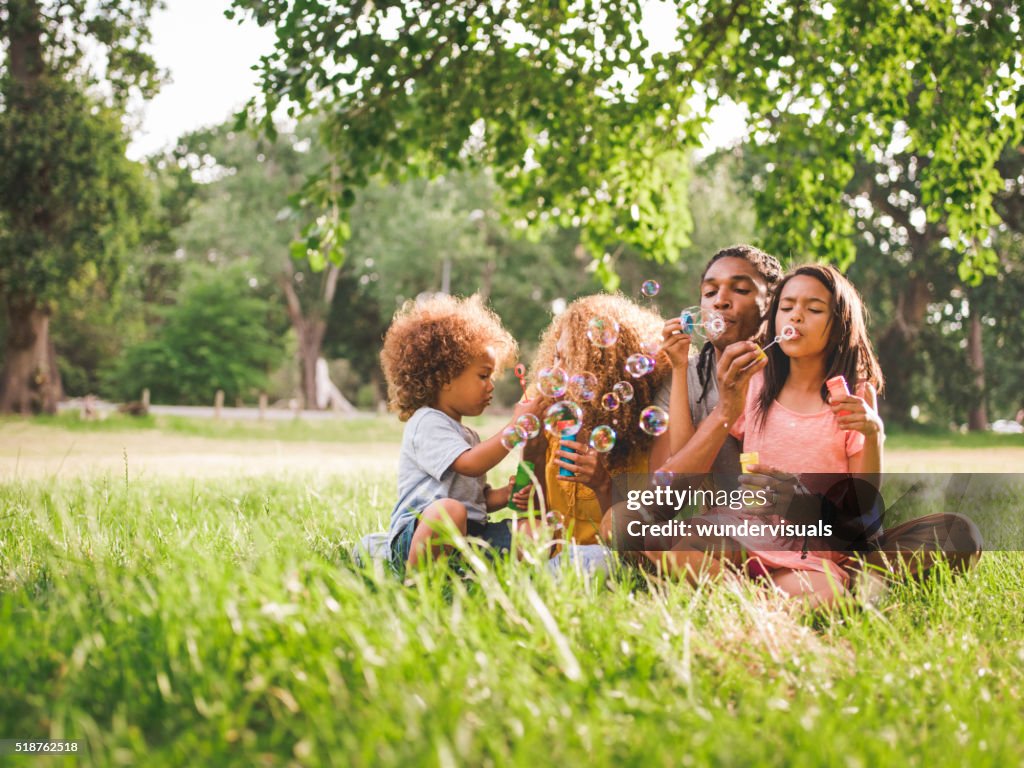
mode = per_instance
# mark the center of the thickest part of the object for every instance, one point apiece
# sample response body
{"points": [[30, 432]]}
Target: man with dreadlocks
{"points": [[736, 285]]}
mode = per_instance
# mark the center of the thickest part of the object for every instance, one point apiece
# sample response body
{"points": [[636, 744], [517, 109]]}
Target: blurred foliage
{"points": [[215, 336]]}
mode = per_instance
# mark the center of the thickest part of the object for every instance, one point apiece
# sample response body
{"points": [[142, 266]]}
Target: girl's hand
{"points": [[676, 344], [859, 414], [586, 468], [521, 498]]}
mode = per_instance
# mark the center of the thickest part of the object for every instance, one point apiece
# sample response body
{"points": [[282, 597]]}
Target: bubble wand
{"points": [[520, 372], [788, 333]]}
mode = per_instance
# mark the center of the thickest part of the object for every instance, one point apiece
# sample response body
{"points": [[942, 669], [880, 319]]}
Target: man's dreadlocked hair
{"points": [[768, 267]]}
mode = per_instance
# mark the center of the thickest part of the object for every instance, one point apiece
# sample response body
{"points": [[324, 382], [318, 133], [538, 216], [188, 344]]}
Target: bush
{"points": [[215, 337]]}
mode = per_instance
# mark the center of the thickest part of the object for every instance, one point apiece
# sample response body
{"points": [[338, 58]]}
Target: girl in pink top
{"points": [[798, 430]]}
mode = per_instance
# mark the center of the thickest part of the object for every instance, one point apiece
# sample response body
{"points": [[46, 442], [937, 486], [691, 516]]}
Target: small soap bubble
{"points": [[690, 322], [653, 420], [624, 391], [602, 332], [714, 325], [530, 424], [602, 439], [552, 382], [663, 478], [513, 436], [650, 288], [639, 365], [610, 401], [563, 419], [788, 332], [651, 348], [583, 386]]}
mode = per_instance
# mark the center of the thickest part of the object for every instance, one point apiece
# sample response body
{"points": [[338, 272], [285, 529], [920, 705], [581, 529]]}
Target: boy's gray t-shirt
{"points": [[727, 462], [432, 441]]}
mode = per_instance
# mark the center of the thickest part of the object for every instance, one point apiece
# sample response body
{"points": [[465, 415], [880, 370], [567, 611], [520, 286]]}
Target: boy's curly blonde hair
{"points": [[637, 327], [431, 342]]}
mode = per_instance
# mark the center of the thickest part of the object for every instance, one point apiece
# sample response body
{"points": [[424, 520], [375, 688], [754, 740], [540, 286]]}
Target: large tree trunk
{"points": [[30, 382], [897, 349], [977, 418]]}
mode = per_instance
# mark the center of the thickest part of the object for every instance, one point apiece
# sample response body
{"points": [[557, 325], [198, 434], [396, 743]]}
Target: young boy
{"points": [[439, 359]]}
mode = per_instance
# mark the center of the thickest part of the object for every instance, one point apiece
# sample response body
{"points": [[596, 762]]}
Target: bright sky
{"points": [[210, 60]]}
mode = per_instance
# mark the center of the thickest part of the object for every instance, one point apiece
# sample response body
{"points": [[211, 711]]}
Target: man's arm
{"points": [[738, 363]]}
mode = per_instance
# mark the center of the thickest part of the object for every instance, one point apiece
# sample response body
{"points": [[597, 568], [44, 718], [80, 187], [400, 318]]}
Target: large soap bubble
{"points": [[530, 424], [653, 420], [639, 365], [602, 332], [563, 419], [602, 439], [552, 382], [624, 391], [583, 386], [513, 436]]}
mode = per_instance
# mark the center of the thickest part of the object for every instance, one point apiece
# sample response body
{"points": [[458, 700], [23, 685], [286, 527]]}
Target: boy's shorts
{"points": [[497, 535]]}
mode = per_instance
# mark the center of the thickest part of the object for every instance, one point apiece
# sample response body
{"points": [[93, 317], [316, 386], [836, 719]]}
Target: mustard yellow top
{"points": [[576, 505]]}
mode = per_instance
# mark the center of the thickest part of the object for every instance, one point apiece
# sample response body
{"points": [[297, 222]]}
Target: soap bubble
{"points": [[583, 386], [530, 424], [653, 420], [650, 288], [602, 439], [714, 325], [639, 365], [624, 391], [690, 321], [602, 331], [563, 419], [513, 436], [788, 332], [610, 401], [552, 382], [651, 348]]}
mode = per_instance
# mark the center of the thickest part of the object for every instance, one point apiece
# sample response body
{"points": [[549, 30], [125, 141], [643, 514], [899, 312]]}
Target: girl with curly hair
{"points": [[578, 495], [439, 358]]}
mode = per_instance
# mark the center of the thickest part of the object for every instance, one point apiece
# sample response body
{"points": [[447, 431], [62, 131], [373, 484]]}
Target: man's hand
{"points": [[676, 344], [736, 366]]}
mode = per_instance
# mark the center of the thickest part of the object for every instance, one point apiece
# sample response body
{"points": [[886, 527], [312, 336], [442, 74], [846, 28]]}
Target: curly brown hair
{"points": [[431, 342], [637, 327]]}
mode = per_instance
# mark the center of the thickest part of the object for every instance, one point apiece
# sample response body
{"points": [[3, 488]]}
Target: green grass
{"points": [[362, 428], [222, 623], [370, 428]]}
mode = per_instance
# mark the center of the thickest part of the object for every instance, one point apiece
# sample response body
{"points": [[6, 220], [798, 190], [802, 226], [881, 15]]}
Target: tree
{"points": [[70, 202], [579, 114], [539, 93], [248, 208], [215, 336]]}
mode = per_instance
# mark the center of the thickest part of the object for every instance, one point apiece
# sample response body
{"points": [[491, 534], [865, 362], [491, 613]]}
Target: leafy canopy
{"points": [[583, 107]]}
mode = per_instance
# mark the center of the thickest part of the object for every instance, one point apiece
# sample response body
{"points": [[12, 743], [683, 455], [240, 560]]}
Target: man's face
{"points": [[735, 289]]}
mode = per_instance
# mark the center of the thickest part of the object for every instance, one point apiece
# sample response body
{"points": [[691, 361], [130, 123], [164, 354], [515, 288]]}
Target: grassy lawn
{"points": [[220, 621]]}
